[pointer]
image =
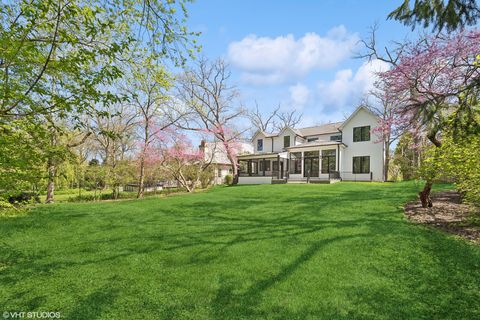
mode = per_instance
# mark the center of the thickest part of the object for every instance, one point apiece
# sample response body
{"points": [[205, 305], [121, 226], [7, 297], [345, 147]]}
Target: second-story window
{"points": [[286, 141], [336, 137], [260, 145], [361, 134]]}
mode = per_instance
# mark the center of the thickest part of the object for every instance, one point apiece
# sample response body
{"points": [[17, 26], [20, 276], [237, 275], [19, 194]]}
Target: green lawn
{"points": [[341, 251]]}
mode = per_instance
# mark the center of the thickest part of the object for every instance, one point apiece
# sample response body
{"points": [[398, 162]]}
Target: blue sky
{"points": [[296, 53]]}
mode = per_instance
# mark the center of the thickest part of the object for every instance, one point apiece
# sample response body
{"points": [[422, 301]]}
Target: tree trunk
{"points": [[387, 160], [51, 181], [141, 180], [233, 162], [425, 195]]}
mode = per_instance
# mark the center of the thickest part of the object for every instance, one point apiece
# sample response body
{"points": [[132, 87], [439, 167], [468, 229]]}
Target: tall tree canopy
{"points": [[441, 14]]}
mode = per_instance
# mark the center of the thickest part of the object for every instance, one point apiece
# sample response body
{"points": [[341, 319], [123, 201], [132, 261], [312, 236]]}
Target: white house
{"points": [[335, 151], [215, 152]]}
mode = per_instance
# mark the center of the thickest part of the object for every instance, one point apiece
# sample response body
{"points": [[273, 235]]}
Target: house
{"points": [[215, 152], [335, 151]]}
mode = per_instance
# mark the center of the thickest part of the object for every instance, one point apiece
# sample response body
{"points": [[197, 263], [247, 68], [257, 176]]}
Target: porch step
{"points": [[296, 181], [313, 181]]}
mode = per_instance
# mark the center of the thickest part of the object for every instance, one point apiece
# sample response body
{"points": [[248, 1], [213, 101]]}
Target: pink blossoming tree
{"points": [[175, 157], [434, 79]]}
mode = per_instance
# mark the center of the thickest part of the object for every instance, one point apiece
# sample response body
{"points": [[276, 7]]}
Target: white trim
{"points": [[355, 113]]}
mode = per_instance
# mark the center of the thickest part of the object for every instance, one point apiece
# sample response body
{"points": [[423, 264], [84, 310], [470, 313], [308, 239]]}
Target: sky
{"points": [[299, 54]]}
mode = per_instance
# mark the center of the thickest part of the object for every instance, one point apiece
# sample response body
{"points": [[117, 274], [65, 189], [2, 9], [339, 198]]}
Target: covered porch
{"points": [[270, 166], [315, 161]]}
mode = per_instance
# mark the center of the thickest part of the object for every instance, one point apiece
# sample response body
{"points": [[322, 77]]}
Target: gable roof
{"points": [[307, 131], [321, 129], [355, 113]]}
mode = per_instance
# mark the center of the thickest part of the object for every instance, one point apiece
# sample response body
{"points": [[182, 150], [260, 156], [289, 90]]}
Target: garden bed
{"points": [[449, 214]]}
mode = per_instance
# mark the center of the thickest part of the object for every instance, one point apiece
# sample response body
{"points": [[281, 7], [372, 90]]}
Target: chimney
{"points": [[202, 146]]}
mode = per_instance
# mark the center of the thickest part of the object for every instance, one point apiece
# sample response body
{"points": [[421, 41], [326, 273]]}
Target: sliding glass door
{"points": [[311, 164]]}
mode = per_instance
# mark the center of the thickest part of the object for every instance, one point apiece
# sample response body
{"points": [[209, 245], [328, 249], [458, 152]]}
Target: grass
{"points": [[73, 195], [341, 251]]}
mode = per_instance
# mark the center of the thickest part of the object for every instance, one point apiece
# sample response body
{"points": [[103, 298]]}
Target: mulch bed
{"points": [[449, 214]]}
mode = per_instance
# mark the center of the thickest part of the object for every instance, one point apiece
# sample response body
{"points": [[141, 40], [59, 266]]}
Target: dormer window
{"points": [[286, 141], [260, 145], [361, 134]]}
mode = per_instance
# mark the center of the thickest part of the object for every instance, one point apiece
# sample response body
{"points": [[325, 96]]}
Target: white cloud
{"points": [[347, 88], [299, 95], [266, 60]]}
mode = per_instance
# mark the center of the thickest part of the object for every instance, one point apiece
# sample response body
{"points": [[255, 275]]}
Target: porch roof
{"points": [[270, 155], [316, 144]]}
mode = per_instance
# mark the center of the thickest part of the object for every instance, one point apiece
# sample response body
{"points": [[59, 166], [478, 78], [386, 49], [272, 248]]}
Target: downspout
{"points": [[338, 156]]}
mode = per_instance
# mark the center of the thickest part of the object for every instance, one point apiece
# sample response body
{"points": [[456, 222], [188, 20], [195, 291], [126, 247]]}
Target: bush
{"points": [[228, 179], [5, 205], [24, 198], [206, 177]]}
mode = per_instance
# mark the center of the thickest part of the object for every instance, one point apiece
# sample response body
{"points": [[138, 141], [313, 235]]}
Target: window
{"points": [[361, 164], [312, 139], [265, 164], [361, 134], [337, 137], [275, 165], [260, 145], [219, 173], [329, 160], [296, 163], [311, 154], [286, 141], [243, 166], [311, 163]]}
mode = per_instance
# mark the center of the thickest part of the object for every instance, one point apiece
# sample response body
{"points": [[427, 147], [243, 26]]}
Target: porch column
{"points": [[278, 161], [338, 158], [263, 165], [302, 165], [288, 167]]}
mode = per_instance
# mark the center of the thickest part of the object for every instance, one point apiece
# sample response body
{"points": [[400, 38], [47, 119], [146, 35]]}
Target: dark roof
{"points": [[316, 143], [321, 129], [309, 131]]}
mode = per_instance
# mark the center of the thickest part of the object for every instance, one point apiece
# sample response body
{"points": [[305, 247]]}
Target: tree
{"points": [[390, 127], [274, 120], [78, 45], [261, 120], [287, 119], [450, 15], [61, 62], [437, 78], [209, 105], [147, 90], [408, 155], [176, 158], [460, 158], [183, 163], [115, 138], [58, 149]]}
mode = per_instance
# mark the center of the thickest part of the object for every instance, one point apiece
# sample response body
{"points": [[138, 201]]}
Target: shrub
{"points": [[206, 177], [24, 198], [228, 179], [5, 205]]}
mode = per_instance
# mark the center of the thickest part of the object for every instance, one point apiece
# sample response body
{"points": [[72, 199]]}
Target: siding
{"points": [[363, 148]]}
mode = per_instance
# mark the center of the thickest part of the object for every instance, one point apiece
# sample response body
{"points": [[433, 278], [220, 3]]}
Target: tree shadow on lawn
{"points": [[94, 304], [210, 233]]}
